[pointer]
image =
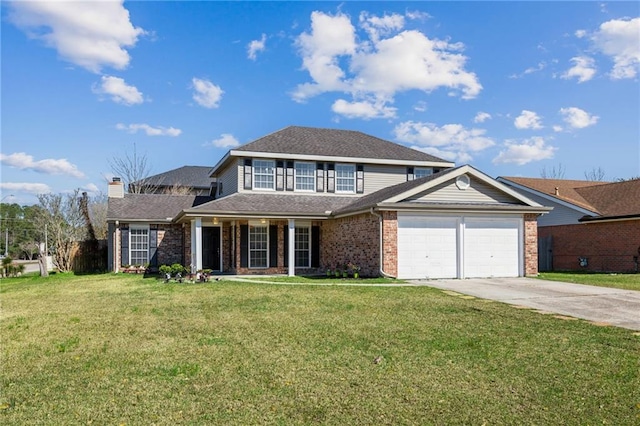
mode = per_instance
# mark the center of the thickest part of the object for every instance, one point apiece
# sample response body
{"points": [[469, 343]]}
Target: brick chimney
{"points": [[116, 188]]}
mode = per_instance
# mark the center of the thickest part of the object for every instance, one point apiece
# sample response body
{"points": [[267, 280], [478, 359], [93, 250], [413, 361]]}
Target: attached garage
{"points": [[459, 246]]}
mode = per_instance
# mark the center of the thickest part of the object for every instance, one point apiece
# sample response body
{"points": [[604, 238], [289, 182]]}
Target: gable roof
{"points": [[151, 207], [187, 176], [607, 200], [296, 142], [397, 196]]}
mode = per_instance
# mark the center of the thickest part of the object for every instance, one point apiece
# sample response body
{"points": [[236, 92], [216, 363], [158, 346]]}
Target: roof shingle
{"points": [[158, 207]]}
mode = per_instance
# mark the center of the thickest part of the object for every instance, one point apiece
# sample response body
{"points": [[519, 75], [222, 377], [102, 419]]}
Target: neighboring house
{"points": [[303, 200], [185, 180], [594, 226]]}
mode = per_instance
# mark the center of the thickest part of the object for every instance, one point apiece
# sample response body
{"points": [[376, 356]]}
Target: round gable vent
{"points": [[463, 182]]}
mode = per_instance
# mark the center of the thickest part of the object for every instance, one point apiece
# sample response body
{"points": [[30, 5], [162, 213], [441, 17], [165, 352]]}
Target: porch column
{"points": [[196, 244], [292, 247]]}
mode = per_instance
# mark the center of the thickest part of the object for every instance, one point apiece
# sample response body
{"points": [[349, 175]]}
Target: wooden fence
{"points": [[90, 257]]}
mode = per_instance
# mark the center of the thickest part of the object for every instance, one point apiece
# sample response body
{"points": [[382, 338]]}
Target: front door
{"points": [[211, 248]]}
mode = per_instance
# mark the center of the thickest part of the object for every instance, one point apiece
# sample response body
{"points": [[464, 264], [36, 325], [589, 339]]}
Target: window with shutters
{"points": [[303, 247], [305, 174], [264, 174], [258, 246], [345, 178], [139, 246]]}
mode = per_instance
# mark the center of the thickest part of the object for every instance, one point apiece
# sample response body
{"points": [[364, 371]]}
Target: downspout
{"points": [[381, 271]]}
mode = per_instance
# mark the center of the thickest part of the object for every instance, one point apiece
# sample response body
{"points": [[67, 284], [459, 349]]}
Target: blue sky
{"points": [[511, 88]]}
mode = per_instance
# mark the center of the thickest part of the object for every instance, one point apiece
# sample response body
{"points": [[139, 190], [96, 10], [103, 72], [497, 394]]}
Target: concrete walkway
{"points": [[612, 306]]}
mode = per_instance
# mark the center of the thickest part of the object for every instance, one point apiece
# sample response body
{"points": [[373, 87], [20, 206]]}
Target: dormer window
{"points": [[305, 176], [345, 178], [264, 174]]}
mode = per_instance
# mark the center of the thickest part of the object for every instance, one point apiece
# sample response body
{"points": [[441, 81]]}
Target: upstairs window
{"points": [[345, 178], [305, 174], [422, 172], [264, 174]]}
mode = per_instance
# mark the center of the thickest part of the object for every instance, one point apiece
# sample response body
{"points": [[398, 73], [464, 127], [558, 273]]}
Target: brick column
{"points": [[531, 244], [390, 242]]}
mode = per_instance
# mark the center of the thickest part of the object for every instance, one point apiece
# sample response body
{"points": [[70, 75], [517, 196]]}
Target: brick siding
{"points": [[530, 244], [390, 243], [607, 246], [351, 239]]}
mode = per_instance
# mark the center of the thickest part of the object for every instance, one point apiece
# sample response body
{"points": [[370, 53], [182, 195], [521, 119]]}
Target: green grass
{"points": [[623, 281], [128, 350], [323, 279]]}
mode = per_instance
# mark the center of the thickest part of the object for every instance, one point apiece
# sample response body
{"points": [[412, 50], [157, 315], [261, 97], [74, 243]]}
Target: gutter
{"points": [[381, 270]]}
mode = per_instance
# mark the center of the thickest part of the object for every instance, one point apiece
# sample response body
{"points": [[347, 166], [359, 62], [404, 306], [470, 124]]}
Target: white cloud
{"points": [[453, 139], [119, 91], [92, 188], [530, 70], [150, 131], [534, 149], [256, 46], [363, 109], [49, 166], [225, 140], [421, 106], [206, 93], [31, 188], [481, 117], [620, 40], [89, 34], [578, 118], [384, 62], [583, 69], [580, 33], [527, 120], [557, 128]]}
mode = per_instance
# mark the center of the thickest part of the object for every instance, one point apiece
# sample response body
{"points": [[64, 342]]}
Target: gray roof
{"points": [[158, 207], [334, 143], [188, 176], [273, 204], [371, 200]]}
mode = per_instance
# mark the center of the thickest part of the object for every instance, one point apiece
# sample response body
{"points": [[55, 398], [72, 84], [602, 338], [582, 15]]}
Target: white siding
{"points": [[378, 176], [560, 215], [477, 192]]}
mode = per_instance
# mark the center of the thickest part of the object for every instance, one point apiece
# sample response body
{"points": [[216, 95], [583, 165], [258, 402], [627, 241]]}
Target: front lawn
{"points": [[623, 281], [123, 349]]}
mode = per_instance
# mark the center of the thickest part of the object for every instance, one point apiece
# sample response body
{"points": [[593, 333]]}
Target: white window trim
{"points": [[138, 227], [353, 167], [305, 225], [253, 175], [257, 224], [295, 176]]}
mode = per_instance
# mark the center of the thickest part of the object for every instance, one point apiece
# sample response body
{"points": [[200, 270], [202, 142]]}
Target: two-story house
{"points": [[301, 200]]}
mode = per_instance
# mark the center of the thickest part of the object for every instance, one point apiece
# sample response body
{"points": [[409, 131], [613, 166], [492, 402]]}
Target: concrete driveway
{"points": [[612, 306]]}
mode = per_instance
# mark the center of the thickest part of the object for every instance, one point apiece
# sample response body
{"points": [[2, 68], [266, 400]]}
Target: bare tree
{"points": [[553, 172], [98, 215], [595, 175], [134, 171], [62, 217], [178, 190]]}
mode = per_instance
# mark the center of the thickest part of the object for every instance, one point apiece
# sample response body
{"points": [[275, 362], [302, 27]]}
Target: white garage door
{"points": [[491, 247], [427, 247], [458, 246]]}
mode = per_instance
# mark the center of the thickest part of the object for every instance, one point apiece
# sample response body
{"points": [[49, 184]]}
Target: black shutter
{"points": [[273, 246], [247, 174], [331, 177], [359, 179], [153, 246], [409, 173], [286, 246], [315, 246], [280, 175], [290, 183], [124, 246], [320, 177], [244, 246]]}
